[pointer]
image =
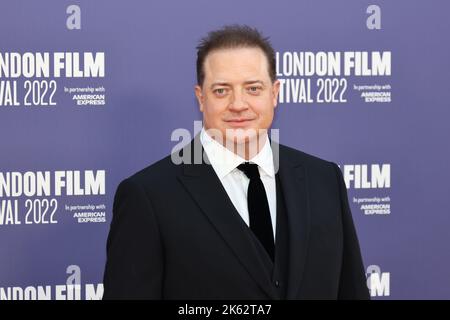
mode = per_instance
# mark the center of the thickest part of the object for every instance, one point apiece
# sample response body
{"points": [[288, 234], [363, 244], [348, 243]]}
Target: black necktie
{"points": [[258, 208]]}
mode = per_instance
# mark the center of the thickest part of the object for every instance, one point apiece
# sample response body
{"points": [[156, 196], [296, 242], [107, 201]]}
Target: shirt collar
{"points": [[224, 161]]}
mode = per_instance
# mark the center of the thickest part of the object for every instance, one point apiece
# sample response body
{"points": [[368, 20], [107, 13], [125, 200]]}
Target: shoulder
{"points": [[305, 159], [157, 173], [162, 173], [316, 168]]}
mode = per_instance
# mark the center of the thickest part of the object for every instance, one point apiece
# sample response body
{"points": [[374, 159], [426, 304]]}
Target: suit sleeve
{"points": [[352, 282], [134, 262]]}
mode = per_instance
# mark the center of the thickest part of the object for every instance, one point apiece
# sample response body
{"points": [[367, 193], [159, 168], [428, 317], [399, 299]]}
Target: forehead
{"points": [[236, 64]]}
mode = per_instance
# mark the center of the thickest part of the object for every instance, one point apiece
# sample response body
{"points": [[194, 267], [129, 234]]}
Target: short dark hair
{"points": [[230, 37]]}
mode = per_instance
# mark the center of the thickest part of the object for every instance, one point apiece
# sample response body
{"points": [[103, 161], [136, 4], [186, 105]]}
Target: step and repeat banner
{"points": [[91, 92]]}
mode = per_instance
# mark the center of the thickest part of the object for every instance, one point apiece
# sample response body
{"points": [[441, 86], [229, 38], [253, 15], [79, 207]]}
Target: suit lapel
{"points": [[294, 185], [202, 183]]}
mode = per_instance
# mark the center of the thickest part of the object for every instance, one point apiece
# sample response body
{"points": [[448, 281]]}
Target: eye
{"points": [[254, 89], [220, 91]]}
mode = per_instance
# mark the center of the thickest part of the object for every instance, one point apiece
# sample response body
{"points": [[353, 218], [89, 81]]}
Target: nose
{"points": [[237, 102]]}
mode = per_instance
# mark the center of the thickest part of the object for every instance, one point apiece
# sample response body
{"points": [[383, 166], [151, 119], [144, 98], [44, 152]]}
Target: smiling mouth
{"points": [[239, 120]]}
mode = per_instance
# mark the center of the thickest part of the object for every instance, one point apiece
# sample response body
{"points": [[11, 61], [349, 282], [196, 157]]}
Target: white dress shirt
{"points": [[235, 181]]}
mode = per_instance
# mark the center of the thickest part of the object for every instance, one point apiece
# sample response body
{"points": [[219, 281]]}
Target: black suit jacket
{"points": [[175, 234]]}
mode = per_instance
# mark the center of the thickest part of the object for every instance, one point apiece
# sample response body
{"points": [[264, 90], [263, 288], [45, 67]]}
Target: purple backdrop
{"points": [[149, 49]]}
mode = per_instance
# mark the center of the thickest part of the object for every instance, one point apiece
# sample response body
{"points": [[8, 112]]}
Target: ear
{"points": [[199, 95], [275, 92]]}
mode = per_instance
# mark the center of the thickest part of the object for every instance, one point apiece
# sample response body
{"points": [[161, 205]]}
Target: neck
{"points": [[248, 149]]}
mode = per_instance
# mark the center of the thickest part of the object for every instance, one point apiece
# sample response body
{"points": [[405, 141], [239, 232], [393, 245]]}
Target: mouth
{"points": [[238, 122]]}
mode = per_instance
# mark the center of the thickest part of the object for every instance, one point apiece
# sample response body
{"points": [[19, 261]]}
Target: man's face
{"points": [[237, 92]]}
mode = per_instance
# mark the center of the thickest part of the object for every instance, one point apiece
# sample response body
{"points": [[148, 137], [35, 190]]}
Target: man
{"points": [[254, 220]]}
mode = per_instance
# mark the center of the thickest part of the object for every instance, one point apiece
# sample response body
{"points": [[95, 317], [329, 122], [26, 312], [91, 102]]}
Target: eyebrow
{"points": [[220, 83]]}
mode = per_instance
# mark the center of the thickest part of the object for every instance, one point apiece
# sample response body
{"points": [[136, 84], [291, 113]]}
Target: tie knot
{"points": [[250, 170]]}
